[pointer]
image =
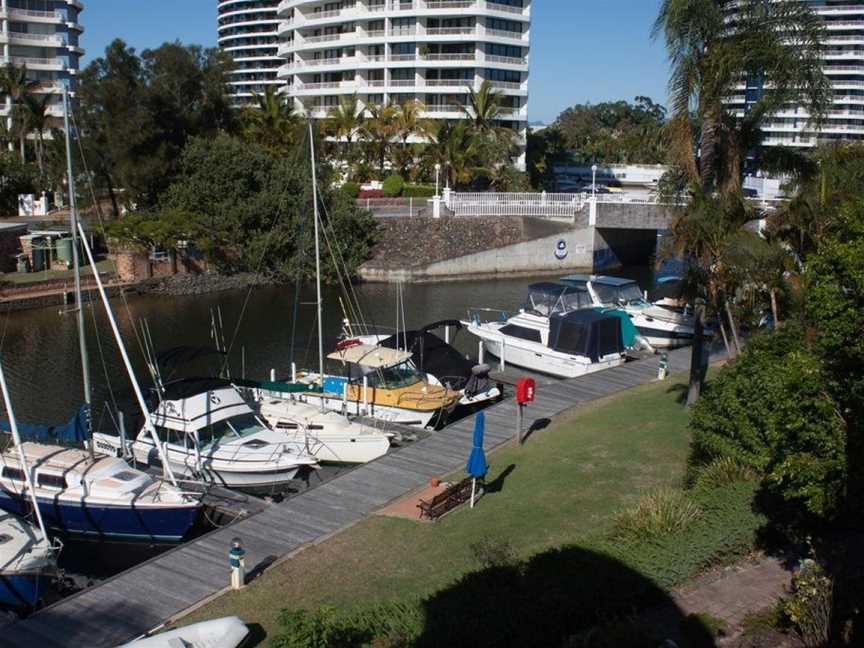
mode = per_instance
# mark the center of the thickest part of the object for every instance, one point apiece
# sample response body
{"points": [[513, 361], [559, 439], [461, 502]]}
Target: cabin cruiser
{"points": [[442, 363], [662, 326], [327, 435], [213, 434], [556, 332], [379, 383], [28, 562], [99, 496]]}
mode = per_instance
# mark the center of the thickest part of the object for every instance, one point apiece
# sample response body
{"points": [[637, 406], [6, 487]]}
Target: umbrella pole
{"points": [[473, 487]]}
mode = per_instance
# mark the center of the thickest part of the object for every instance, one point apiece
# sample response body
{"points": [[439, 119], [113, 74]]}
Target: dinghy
{"points": [[228, 632]]}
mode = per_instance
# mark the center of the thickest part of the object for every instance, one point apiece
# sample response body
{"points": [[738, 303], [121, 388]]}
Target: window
{"points": [[521, 332], [15, 474], [234, 428], [51, 481]]}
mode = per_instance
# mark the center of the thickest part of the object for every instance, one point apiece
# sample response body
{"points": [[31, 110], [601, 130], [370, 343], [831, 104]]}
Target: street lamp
{"points": [[437, 176], [594, 181]]}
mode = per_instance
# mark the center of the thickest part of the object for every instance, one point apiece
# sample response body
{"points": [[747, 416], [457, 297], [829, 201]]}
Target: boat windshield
{"points": [[229, 429], [628, 293], [398, 377], [549, 300]]}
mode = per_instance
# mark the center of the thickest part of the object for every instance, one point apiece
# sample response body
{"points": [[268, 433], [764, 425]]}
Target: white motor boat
{"points": [[327, 435], [662, 326], [215, 435], [228, 632], [556, 332]]}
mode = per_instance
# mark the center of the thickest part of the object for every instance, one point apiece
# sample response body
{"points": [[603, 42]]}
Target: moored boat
{"points": [[28, 563]]}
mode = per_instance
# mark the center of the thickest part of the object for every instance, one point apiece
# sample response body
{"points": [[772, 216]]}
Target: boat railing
{"points": [[479, 316]]}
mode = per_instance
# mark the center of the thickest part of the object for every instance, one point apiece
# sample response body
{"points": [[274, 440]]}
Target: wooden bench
{"points": [[448, 499]]}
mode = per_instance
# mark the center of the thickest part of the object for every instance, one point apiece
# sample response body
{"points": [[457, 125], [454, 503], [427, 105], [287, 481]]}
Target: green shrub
{"points": [[722, 472], [809, 607], [664, 512], [770, 411], [418, 191], [393, 186], [351, 189]]}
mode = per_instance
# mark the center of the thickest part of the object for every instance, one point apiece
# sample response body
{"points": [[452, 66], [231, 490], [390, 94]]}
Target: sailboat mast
{"points": [[317, 263], [16, 438], [76, 263]]}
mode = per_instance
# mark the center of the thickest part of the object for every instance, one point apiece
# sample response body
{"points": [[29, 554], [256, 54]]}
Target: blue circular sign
{"points": [[561, 250]]}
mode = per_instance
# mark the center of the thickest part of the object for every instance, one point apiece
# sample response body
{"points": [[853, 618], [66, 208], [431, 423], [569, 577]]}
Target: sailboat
{"points": [[79, 492], [28, 559]]}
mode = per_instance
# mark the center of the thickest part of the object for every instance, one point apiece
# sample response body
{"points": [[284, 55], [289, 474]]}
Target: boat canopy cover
{"points": [[548, 297], [200, 410], [629, 332], [372, 356], [432, 354], [605, 280], [586, 333], [72, 433]]}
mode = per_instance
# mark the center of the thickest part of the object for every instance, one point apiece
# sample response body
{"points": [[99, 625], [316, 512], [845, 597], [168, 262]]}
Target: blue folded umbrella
{"points": [[477, 466]]}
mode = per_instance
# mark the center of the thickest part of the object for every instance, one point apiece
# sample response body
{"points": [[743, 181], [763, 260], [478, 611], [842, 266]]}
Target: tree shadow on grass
{"points": [[497, 484], [564, 597]]}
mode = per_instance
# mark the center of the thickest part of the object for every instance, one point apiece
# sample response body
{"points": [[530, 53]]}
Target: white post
{"points": [[592, 211], [365, 395], [436, 207], [480, 352], [502, 363], [473, 490], [294, 373], [447, 334], [411, 207], [136, 388], [272, 375]]}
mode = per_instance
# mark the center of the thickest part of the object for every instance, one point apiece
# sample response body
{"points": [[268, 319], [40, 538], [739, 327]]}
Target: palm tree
{"points": [[37, 120], [483, 107], [16, 85], [778, 42], [271, 122], [710, 234], [455, 149], [380, 128], [407, 123], [345, 120]]}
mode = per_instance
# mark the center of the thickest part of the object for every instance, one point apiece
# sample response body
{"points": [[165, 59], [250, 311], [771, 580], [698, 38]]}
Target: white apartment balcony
{"points": [[36, 40], [33, 63], [29, 15], [839, 10], [844, 69], [362, 11]]}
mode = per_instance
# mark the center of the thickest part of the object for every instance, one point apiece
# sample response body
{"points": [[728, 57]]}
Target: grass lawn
{"points": [[564, 485]]}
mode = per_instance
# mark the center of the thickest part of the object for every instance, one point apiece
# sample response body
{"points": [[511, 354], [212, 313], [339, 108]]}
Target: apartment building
{"points": [[42, 36], [392, 51], [844, 65], [248, 32]]}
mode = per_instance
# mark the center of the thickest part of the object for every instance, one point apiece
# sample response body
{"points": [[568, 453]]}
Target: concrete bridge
{"points": [[497, 234]]}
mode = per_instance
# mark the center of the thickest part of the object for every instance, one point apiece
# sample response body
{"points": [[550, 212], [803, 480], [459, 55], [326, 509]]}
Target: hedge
{"points": [[393, 186], [418, 191]]}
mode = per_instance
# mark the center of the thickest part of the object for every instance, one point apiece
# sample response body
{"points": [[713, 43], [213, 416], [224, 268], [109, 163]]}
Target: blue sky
{"points": [[582, 50]]}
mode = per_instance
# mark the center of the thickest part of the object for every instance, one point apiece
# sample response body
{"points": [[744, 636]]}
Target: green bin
{"points": [[38, 254], [64, 251]]}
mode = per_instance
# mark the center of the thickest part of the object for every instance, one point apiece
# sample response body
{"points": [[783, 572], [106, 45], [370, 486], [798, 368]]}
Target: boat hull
{"points": [[536, 357], [153, 523], [402, 416], [23, 590]]}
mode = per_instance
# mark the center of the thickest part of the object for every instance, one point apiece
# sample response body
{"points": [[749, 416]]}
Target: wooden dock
{"points": [[142, 598]]}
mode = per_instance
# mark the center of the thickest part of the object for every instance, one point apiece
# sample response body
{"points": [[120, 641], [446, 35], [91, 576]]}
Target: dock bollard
{"points": [[663, 367], [237, 559]]}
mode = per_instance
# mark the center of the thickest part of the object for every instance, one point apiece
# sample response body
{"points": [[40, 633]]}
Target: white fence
{"points": [[542, 205]]}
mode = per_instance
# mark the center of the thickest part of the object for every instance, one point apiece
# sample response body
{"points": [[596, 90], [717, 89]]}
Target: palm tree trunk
{"points": [[696, 361], [733, 326], [725, 337], [775, 308]]}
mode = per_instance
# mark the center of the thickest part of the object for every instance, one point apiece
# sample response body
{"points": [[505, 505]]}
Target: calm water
{"points": [[40, 347]]}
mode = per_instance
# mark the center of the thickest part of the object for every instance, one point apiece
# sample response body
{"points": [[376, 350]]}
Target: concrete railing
{"points": [[542, 205]]}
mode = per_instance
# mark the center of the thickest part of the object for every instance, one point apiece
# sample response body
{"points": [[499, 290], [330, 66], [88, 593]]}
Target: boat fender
{"points": [[480, 370]]}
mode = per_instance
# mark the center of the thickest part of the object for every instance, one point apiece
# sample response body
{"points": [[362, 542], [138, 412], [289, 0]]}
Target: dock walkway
{"points": [[144, 597]]}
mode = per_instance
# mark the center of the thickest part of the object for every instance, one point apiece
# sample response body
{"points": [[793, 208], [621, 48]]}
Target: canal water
{"points": [[39, 351]]}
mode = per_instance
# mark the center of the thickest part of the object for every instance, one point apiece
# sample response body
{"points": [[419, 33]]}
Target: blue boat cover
{"points": [[75, 432]]}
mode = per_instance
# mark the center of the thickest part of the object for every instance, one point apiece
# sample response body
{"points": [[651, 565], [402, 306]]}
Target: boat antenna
{"points": [[76, 263], [136, 388], [320, 304], [16, 438]]}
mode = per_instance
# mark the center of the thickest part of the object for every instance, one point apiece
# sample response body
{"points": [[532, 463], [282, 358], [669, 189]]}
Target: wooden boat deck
{"points": [[144, 597]]}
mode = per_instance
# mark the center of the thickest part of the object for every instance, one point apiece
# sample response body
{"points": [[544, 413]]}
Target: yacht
{"points": [[327, 435], [28, 563], [215, 435], [556, 332], [100, 497], [442, 362], [662, 326], [380, 383]]}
